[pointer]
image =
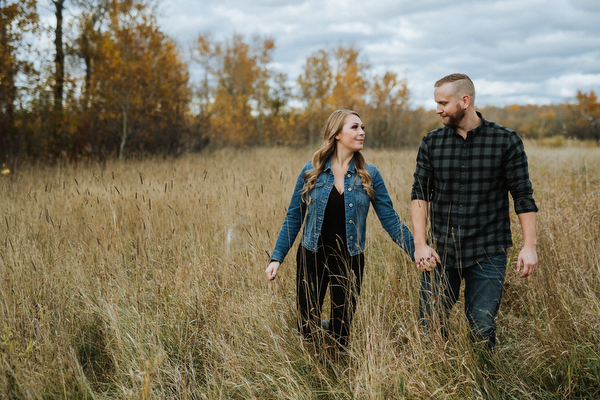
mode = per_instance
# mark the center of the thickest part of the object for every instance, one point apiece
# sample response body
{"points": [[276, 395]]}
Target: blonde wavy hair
{"points": [[332, 128]]}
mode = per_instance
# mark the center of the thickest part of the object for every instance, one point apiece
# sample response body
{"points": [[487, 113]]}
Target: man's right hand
{"points": [[426, 258]]}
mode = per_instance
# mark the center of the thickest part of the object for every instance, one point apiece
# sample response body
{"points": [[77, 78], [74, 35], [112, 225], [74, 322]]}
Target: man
{"points": [[464, 173]]}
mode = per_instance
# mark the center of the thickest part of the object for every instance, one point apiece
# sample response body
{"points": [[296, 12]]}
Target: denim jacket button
{"points": [[351, 237], [349, 189], [350, 222], [350, 205]]}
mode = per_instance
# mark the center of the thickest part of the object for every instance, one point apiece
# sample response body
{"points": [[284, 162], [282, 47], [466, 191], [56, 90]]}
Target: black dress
{"points": [[331, 266]]}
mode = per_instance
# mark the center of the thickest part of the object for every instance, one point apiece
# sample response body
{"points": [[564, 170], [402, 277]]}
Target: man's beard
{"points": [[455, 118]]}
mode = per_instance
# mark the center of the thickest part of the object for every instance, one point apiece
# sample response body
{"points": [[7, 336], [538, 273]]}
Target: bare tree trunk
{"points": [[59, 60], [123, 133], [259, 129], [8, 90], [90, 29], [59, 142], [87, 58]]}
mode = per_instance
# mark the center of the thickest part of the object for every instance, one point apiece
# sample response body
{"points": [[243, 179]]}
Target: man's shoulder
{"points": [[436, 133], [491, 125], [499, 134]]}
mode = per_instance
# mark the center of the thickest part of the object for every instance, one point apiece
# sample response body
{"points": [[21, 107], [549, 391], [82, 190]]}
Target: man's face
{"points": [[449, 106]]}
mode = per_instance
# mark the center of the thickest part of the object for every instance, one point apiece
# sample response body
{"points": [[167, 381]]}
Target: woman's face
{"points": [[352, 136]]}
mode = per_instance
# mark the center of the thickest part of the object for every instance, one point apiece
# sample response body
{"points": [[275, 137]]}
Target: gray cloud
{"points": [[535, 51]]}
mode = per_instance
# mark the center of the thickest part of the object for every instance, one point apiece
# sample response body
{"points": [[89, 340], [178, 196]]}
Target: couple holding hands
{"points": [[464, 172]]}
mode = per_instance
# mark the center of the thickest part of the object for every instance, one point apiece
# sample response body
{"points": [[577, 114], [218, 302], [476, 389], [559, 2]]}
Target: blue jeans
{"points": [[483, 291]]}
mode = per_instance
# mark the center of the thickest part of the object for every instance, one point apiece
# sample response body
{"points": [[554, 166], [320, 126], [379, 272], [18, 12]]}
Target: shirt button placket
{"points": [[464, 166]]}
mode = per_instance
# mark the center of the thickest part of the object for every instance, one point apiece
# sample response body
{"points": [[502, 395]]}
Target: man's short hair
{"points": [[462, 84]]}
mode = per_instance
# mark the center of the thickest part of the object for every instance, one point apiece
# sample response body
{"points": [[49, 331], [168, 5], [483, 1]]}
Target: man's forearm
{"points": [[419, 213], [528, 226]]}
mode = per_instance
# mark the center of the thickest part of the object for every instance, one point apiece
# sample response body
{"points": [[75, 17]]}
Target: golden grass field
{"points": [[145, 280]]}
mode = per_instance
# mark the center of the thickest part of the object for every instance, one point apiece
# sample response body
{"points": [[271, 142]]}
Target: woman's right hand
{"points": [[426, 258], [271, 270]]}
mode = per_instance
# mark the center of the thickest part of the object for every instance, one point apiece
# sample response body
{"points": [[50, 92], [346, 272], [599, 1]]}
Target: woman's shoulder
{"points": [[307, 166], [371, 168], [374, 173]]}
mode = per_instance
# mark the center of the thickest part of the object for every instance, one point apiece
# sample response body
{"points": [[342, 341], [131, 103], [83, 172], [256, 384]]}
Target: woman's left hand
{"points": [[271, 270]]}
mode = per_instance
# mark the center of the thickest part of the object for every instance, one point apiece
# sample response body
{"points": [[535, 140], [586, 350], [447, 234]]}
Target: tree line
{"points": [[112, 84]]}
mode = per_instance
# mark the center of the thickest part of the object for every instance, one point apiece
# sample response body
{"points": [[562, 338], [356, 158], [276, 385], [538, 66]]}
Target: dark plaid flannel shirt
{"points": [[466, 182]]}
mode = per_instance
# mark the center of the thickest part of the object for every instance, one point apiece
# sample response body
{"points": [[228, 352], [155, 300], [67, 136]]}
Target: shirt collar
{"points": [[474, 131], [481, 124]]}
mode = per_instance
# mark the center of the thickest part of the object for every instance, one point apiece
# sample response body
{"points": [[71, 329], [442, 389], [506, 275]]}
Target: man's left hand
{"points": [[527, 261]]}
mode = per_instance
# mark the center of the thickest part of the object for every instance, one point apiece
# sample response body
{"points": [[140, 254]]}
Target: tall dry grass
{"points": [[144, 280]]}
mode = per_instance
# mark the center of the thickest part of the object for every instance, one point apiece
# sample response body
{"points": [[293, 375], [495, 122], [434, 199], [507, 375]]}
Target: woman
{"points": [[332, 197]]}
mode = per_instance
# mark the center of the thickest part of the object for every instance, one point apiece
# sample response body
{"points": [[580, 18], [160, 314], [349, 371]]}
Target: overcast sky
{"points": [[516, 51]]}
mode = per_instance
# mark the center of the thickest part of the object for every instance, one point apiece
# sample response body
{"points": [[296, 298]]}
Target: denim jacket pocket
{"points": [[315, 194], [362, 200], [314, 216]]}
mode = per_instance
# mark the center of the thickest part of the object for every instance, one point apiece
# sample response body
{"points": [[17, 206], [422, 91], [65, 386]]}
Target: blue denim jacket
{"points": [[357, 207]]}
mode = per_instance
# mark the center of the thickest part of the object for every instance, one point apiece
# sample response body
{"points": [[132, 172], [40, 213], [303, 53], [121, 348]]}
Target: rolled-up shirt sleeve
{"points": [[517, 176], [422, 188]]}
